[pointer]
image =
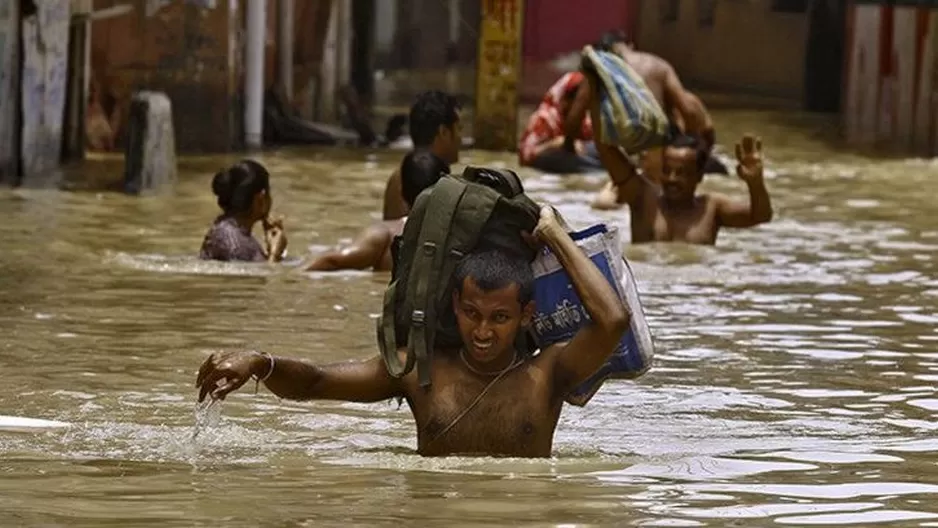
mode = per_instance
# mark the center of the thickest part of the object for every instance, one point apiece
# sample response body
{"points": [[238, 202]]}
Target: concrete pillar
{"points": [[150, 158], [44, 75], [79, 72], [336, 59], [344, 43], [254, 73], [325, 110], [498, 77], [285, 28], [9, 87]]}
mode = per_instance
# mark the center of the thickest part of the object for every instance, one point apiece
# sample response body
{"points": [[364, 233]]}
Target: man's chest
{"points": [[694, 226], [511, 416]]}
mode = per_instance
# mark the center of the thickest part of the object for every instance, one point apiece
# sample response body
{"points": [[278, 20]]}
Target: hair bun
{"points": [[224, 184], [237, 185]]}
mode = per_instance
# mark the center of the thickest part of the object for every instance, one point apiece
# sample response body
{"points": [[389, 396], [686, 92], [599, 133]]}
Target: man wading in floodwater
{"points": [[487, 398]]}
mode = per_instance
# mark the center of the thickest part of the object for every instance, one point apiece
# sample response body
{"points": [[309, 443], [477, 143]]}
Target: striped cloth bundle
{"points": [[630, 116]]}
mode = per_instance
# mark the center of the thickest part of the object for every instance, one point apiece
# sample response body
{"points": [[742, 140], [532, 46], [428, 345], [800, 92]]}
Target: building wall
{"points": [[310, 23], [9, 90], [419, 32], [43, 85], [738, 45], [193, 51], [555, 28], [892, 77], [182, 49]]}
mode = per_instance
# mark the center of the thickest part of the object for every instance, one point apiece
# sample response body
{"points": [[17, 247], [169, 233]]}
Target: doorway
{"points": [[824, 57]]}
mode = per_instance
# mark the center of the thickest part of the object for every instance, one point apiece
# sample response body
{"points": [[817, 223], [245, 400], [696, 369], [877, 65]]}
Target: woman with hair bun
{"points": [[243, 192]]}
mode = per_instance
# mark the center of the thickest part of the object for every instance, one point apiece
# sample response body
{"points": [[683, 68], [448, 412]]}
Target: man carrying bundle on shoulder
{"points": [[459, 308]]}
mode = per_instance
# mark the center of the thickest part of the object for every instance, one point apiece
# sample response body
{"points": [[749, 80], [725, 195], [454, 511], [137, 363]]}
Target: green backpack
{"points": [[483, 209]]}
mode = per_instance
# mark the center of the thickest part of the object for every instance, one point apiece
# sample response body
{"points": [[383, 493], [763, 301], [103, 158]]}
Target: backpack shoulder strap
{"points": [[508, 181], [387, 336], [387, 331], [513, 181], [425, 271]]}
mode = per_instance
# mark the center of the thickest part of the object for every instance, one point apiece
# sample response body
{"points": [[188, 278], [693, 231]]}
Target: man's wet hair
{"points": [[610, 38], [681, 140], [431, 110], [420, 169], [494, 270]]}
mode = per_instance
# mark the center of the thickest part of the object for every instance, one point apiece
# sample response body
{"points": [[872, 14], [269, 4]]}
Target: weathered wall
{"points": [[9, 89], [182, 49], [192, 50], [43, 83], [892, 77], [310, 24], [738, 46]]}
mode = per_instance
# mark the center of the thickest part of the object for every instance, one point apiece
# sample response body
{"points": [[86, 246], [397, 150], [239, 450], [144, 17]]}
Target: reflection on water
{"points": [[795, 382]]}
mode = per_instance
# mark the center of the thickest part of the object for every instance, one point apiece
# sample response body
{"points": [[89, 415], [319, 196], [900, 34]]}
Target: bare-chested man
{"points": [[372, 249], [663, 201], [486, 398], [434, 124]]}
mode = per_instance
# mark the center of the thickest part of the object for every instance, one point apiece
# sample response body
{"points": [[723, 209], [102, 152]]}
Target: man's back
{"points": [[654, 70], [394, 205]]}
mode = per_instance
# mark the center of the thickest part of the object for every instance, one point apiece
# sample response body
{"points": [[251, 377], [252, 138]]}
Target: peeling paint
{"points": [[44, 82]]}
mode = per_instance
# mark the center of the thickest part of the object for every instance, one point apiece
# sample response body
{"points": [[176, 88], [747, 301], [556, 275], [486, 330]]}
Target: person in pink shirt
{"points": [[542, 143]]}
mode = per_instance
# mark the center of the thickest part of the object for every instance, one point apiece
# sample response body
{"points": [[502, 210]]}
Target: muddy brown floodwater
{"points": [[795, 380]]}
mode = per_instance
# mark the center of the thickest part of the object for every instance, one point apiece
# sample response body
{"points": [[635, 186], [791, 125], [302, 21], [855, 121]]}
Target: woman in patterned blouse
{"points": [[243, 192]]}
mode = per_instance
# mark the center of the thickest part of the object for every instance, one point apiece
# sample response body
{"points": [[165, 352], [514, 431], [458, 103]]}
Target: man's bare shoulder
{"points": [[393, 185], [547, 357], [713, 201], [653, 59]]}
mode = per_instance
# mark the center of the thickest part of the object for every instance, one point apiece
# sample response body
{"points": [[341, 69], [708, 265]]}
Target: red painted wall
{"points": [[554, 27], [557, 27]]}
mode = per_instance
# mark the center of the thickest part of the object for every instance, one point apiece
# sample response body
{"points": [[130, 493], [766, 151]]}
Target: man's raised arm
{"points": [[579, 108], [363, 253], [732, 213]]}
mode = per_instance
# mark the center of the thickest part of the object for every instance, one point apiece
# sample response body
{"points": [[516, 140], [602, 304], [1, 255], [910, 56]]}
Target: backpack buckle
{"points": [[418, 318]]}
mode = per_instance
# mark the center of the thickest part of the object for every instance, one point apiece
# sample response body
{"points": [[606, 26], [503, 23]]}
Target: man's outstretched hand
{"points": [[225, 372]]}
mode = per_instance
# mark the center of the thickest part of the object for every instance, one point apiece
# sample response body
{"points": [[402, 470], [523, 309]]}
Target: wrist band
{"points": [[257, 379], [272, 364]]}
